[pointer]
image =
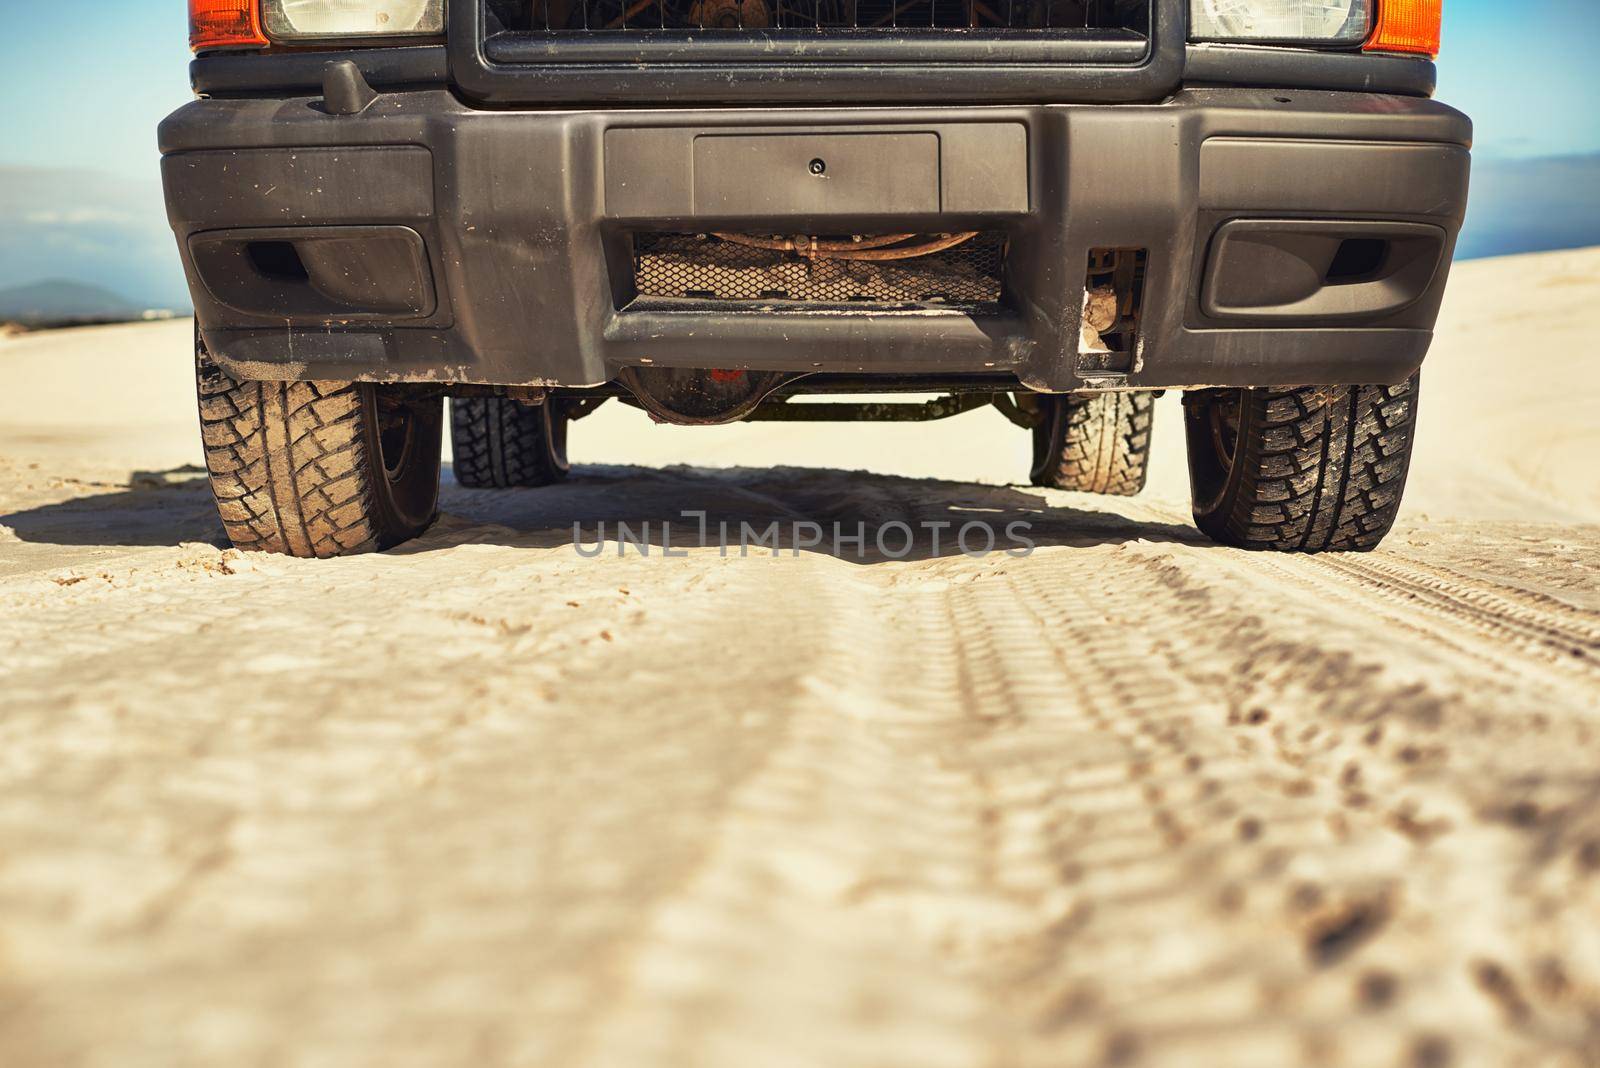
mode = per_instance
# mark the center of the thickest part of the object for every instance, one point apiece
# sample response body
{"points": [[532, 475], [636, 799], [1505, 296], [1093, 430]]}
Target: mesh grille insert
{"points": [[708, 267]]}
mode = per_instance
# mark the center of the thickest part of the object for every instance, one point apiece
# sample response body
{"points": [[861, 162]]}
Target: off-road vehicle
{"points": [[708, 208]]}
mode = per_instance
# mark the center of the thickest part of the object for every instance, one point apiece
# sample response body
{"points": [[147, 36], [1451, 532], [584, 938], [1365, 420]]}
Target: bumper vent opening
{"points": [[1113, 293], [1357, 260], [964, 270], [278, 260]]}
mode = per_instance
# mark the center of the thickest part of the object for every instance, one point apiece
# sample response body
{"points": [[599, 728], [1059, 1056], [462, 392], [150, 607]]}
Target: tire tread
{"points": [[1101, 445], [498, 443], [288, 463], [1324, 469]]}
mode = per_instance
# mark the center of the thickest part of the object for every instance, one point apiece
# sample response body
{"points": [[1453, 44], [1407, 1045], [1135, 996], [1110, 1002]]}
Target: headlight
{"points": [[1333, 21], [300, 20]]}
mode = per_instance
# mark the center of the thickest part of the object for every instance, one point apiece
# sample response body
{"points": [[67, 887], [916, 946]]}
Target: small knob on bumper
{"points": [[344, 89]]}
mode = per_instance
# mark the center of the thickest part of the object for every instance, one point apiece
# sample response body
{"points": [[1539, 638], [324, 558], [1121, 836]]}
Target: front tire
{"points": [[318, 469], [1093, 443], [497, 442], [1312, 469]]}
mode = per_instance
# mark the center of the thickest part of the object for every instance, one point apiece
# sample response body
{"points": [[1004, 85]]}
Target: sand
{"points": [[1131, 799]]}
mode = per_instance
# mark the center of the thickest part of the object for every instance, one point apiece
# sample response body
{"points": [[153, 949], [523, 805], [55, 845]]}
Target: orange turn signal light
{"points": [[1407, 26], [225, 24]]}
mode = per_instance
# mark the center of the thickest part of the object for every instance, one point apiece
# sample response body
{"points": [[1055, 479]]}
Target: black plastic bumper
{"points": [[468, 245]]}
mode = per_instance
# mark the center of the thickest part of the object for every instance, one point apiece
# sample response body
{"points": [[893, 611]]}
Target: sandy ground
{"points": [[1132, 799]]}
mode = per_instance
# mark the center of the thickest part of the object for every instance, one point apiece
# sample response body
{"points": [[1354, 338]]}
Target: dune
{"points": [[1129, 799]]}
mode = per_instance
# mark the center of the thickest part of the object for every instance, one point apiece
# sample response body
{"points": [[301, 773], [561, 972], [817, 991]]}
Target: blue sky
{"points": [[1527, 71], [88, 81]]}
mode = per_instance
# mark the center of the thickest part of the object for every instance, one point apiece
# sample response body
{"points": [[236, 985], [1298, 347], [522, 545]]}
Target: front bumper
{"points": [[466, 245]]}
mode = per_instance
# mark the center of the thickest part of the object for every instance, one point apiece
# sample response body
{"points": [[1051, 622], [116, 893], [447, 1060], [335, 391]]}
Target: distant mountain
{"points": [[1532, 205], [58, 301]]}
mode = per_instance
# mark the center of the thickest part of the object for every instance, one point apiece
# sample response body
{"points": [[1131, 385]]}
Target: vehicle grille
{"points": [[964, 270], [826, 16]]}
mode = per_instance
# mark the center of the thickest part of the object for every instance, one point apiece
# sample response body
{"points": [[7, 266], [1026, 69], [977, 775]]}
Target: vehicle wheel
{"points": [[499, 442], [318, 468], [1300, 470], [1093, 443]]}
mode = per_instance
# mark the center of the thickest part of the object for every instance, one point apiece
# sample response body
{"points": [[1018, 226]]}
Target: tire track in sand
{"points": [[1129, 799], [1535, 621]]}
